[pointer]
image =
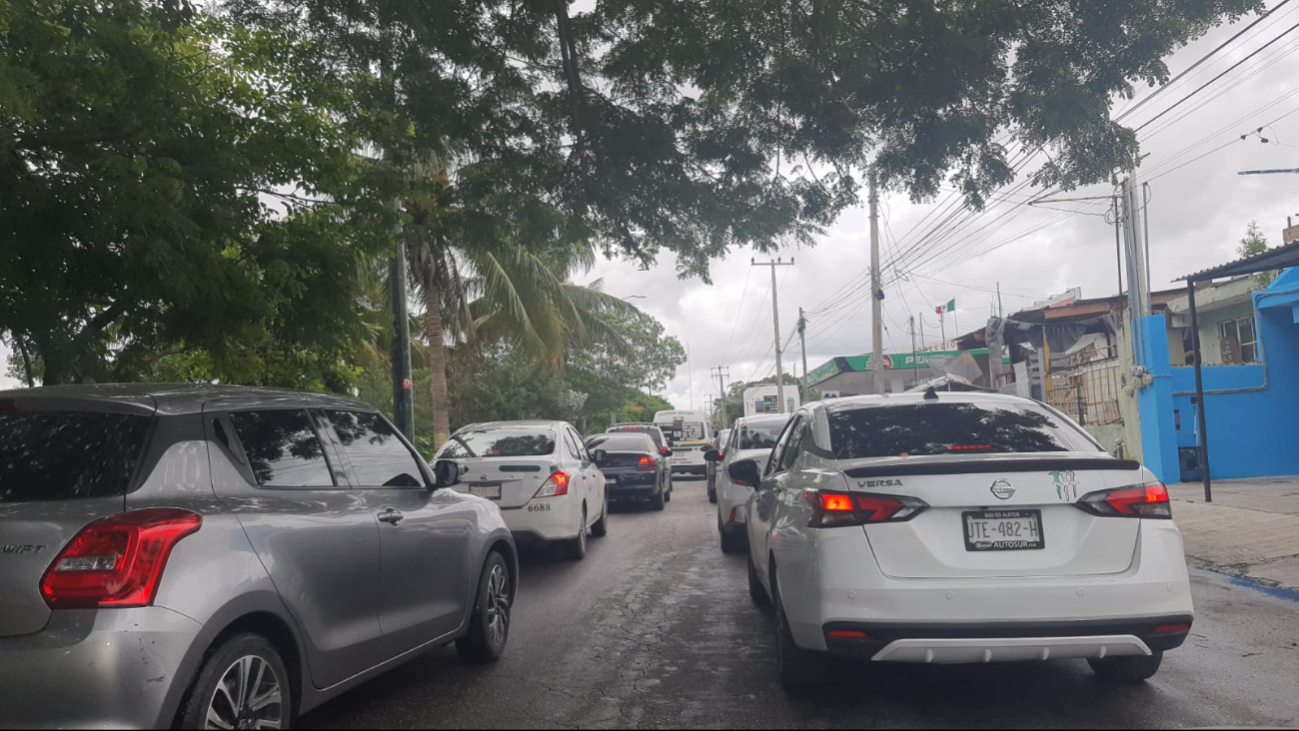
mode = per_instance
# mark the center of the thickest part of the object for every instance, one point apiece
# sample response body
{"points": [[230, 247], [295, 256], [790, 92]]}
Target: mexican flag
{"points": [[949, 307]]}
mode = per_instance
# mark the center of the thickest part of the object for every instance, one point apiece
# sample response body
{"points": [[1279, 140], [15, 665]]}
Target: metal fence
{"points": [[1086, 385]]}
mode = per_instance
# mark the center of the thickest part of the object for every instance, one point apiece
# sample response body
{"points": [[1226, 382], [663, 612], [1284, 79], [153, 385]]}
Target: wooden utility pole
{"points": [[802, 344], [877, 292], [722, 373]]}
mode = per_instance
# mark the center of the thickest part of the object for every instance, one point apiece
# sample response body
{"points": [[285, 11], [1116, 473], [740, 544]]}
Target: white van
{"points": [[690, 434]]}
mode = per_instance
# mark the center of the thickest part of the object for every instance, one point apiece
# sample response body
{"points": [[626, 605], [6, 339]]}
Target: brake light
{"points": [[969, 447], [1141, 501], [646, 464], [117, 561], [842, 634], [1173, 629], [721, 456], [664, 451], [837, 509], [555, 485]]}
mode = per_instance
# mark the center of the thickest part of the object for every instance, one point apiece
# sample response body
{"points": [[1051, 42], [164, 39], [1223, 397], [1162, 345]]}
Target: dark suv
{"points": [[226, 557]]}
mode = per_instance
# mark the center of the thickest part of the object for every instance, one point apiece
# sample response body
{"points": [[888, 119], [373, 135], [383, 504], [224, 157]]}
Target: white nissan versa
{"points": [[960, 528]]}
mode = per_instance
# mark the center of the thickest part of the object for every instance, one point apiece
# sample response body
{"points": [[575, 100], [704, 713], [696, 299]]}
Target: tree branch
{"points": [[27, 360]]}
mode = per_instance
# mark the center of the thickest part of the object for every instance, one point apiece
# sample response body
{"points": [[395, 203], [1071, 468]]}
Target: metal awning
{"points": [[1280, 257]]}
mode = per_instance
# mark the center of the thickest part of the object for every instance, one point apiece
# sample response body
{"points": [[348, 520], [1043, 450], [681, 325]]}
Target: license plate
{"points": [[490, 490], [1003, 530], [611, 481]]}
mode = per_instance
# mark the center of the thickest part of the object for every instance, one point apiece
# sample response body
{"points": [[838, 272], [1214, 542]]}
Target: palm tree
{"points": [[492, 291]]}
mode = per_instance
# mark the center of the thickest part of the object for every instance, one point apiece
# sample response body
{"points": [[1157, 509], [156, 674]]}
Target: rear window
{"points": [[649, 431], [378, 456], [761, 436], [502, 442], [620, 443], [283, 448], [684, 431], [952, 428], [68, 455]]}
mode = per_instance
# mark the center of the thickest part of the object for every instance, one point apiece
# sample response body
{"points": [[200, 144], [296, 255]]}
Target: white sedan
{"points": [[540, 474], [751, 436], [961, 528]]}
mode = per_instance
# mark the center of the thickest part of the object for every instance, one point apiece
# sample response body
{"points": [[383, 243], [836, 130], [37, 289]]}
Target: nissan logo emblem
{"points": [[1003, 489]]}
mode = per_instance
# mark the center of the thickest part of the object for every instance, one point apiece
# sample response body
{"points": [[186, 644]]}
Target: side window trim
{"points": [[325, 427]]}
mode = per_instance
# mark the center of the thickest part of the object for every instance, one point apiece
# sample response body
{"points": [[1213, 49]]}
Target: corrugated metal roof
{"points": [[1280, 257]]}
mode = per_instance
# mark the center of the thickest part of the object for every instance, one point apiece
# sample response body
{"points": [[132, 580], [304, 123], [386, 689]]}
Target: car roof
{"points": [[537, 423], [848, 403], [175, 398], [763, 418]]}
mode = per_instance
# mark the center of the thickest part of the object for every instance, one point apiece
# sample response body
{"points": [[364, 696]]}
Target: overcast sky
{"points": [[1197, 215]]}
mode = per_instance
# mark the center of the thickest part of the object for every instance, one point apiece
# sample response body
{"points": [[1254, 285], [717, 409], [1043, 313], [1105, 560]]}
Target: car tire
{"points": [[601, 527], [1128, 669], [667, 497], [239, 665], [657, 500], [577, 546], [712, 496], [757, 592], [489, 628], [732, 542], [797, 668]]}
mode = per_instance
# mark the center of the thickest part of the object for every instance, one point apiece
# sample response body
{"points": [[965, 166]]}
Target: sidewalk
{"points": [[1250, 529]]}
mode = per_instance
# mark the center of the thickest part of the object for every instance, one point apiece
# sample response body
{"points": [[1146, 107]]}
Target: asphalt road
{"points": [[655, 629]]}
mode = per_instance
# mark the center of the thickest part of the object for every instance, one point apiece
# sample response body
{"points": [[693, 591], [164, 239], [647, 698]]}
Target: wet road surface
{"points": [[655, 629]]}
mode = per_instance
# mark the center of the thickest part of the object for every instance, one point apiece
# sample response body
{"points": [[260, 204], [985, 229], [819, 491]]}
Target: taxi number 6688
{"points": [[543, 507]]}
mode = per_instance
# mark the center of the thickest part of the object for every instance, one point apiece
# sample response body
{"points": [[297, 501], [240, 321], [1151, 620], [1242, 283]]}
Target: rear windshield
{"points": [[502, 442], [649, 431], [761, 436], [67, 455], [620, 443], [952, 428], [684, 431]]}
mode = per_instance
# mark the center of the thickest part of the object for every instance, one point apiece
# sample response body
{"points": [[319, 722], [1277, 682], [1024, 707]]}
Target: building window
{"points": [[1239, 342]]}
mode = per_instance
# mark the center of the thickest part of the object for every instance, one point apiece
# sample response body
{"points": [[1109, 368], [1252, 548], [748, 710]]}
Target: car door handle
{"points": [[392, 516]]}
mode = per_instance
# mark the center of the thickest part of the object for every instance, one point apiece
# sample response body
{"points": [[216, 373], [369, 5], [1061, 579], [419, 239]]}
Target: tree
{"points": [[141, 149], [1255, 242], [696, 127], [616, 376]]}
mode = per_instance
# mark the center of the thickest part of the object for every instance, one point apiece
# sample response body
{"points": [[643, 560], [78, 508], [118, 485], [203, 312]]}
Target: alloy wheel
{"points": [[498, 605], [248, 696]]}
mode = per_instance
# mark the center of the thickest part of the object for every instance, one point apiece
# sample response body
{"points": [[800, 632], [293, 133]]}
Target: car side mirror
{"points": [[712, 455], [598, 456], [745, 472], [447, 473]]}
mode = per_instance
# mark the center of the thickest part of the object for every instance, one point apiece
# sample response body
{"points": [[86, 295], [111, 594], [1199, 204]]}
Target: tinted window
{"points": [[377, 455], [793, 445], [649, 431], [67, 455], [282, 448], [761, 435], [953, 428], [500, 442], [621, 443]]}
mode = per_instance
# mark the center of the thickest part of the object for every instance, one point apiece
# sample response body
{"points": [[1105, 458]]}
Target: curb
{"points": [[1237, 578]]}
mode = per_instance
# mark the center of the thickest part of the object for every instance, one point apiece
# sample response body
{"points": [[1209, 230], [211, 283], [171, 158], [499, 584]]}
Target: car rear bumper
{"points": [[968, 643], [833, 586], [545, 519], [112, 668], [689, 469]]}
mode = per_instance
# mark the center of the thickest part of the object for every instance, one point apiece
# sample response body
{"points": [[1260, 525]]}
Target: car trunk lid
{"points": [[1000, 491], [61, 466], [518, 478]]}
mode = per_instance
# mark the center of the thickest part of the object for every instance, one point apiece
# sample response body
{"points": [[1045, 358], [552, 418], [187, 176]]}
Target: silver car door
{"points": [[426, 580], [765, 501], [314, 534]]}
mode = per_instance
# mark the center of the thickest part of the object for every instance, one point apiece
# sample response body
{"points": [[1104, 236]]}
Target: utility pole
{"points": [[999, 313], [1138, 289], [877, 294], [775, 320], [802, 344], [915, 357], [922, 331], [690, 373], [721, 386]]}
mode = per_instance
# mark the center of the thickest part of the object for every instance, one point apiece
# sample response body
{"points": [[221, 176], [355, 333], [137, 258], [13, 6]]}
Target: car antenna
{"points": [[931, 394]]}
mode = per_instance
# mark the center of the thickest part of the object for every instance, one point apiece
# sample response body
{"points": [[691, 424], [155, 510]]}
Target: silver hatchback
{"points": [[226, 557]]}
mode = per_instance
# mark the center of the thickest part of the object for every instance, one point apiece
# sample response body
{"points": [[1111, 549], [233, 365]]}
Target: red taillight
{"points": [[969, 448], [836, 509], [664, 451], [117, 561], [555, 485], [842, 634], [1173, 629], [646, 464], [721, 456], [1142, 501]]}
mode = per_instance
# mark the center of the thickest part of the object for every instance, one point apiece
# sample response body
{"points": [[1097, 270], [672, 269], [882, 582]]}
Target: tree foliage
{"points": [[1255, 242], [140, 149]]}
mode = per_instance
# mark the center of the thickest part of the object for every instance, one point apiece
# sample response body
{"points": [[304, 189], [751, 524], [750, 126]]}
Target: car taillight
{"points": [[555, 485], [664, 451], [837, 509], [1141, 501], [117, 561], [646, 464], [721, 456]]}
